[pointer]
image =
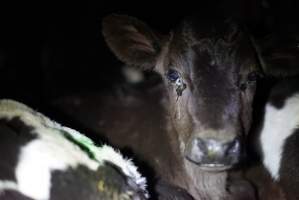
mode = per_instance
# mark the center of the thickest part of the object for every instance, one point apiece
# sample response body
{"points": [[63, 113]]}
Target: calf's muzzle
{"points": [[211, 154]]}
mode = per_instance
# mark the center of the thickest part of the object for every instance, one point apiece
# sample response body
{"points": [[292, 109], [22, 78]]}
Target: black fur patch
{"points": [[279, 53], [14, 134], [81, 183], [283, 90], [289, 173], [13, 195]]}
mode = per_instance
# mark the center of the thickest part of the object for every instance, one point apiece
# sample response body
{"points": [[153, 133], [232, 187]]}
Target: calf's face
{"points": [[209, 70]]}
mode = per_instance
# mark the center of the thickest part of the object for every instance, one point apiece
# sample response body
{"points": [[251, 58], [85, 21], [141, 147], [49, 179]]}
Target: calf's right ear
{"points": [[132, 41]]}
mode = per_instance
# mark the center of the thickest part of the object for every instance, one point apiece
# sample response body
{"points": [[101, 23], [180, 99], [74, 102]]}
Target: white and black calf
{"points": [[40, 159], [279, 137]]}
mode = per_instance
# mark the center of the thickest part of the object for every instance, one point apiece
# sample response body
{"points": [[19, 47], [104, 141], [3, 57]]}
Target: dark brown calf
{"points": [[209, 71]]}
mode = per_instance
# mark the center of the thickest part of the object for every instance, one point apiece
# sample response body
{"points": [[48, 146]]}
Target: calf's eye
{"points": [[253, 76], [174, 77]]}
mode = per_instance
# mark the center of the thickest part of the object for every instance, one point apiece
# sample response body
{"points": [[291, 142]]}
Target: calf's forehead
{"points": [[216, 43], [193, 30]]}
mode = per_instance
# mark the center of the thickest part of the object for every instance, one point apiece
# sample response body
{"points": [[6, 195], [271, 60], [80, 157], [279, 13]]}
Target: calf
{"points": [[209, 71], [40, 159], [279, 137]]}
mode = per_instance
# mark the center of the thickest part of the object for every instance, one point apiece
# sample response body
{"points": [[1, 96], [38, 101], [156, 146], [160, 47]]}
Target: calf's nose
{"points": [[213, 154]]}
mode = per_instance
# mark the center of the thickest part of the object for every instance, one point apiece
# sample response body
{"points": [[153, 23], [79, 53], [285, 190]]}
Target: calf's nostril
{"points": [[233, 148], [196, 151], [201, 145]]}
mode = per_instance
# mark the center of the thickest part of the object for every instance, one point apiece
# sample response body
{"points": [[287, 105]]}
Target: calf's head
{"points": [[209, 70]]}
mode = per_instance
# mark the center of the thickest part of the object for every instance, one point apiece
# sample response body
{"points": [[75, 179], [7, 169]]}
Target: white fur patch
{"points": [[279, 124], [52, 151]]}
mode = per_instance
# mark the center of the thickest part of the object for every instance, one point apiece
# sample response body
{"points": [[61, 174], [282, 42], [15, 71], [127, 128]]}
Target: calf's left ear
{"points": [[132, 41]]}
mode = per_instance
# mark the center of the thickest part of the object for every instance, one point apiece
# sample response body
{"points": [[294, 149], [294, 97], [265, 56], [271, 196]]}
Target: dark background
{"points": [[52, 49]]}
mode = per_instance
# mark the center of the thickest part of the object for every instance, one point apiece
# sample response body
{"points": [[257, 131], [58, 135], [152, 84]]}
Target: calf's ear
{"points": [[132, 41]]}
